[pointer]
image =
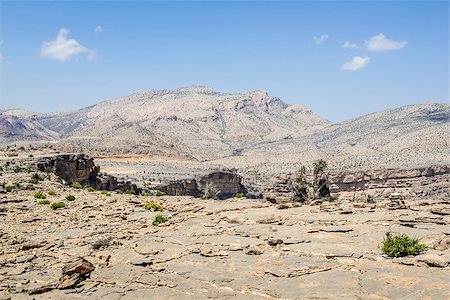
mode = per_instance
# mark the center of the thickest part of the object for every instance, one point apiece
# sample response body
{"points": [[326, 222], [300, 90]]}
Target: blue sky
{"points": [[341, 59]]}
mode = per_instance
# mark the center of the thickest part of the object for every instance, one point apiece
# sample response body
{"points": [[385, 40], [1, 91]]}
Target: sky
{"points": [[342, 59]]}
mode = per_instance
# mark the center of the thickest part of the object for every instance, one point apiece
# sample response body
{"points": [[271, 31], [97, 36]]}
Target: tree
{"points": [[304, 191], [300, 186], [320, 179]]}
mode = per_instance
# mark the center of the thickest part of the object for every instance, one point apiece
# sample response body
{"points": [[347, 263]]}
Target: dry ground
{"points": [[233, 249]]}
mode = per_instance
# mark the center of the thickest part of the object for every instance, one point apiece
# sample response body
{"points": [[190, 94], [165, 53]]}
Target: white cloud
{"points": [[350, 45], [321, 39], [357, 63], [381, 43], [64, 49], [99, 29]]}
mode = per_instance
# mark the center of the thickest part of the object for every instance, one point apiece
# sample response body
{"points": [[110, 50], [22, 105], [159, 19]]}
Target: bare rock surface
{"points": [[106, 247]]}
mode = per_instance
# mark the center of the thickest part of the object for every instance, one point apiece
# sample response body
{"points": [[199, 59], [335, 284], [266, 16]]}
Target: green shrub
{"points": [[70, 197], [146, 194], [105, 193], [43, 202], [40, 195], [153, 206], [159, 194], [130, 192], [239, 195], [370, 199], [56, 205], [35, 178], [33, 181], [398, 245], [77, 185], [51, 193], [91, 189], [159, 219], [9, 188]]}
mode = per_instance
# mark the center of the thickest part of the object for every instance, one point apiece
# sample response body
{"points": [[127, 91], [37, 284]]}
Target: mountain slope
{"points": [[409, 136], [20, 125], [195, 122]]}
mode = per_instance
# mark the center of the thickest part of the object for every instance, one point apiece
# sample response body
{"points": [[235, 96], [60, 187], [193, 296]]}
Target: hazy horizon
{"points": [[341, 59]]}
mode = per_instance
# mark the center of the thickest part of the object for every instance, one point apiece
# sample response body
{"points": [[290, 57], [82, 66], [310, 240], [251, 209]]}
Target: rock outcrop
{"points": [[81, 168], [382, 184], [224, 184], [70, 167], [431, 181]]}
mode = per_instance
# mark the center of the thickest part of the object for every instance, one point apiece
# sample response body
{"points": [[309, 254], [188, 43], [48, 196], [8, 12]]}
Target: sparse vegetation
{"points": [[91, 189], [305, 191], [159, 193], [36, 178], [70, 197], [77, 185], [52, 193], [159, 219], [153, 206], [9, 188], [239, 195], [398, 245], [300, 186], [105, 193], [320, 179], [56, 205], [43, 202], [40, 195]]}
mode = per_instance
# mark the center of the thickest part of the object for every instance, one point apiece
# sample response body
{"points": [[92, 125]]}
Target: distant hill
{"points": [[409, 136], [238, 129], [193, 122]]}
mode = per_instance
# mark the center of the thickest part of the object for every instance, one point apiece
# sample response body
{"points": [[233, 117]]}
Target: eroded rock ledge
{"points": [[81, 168], [419, 182]]}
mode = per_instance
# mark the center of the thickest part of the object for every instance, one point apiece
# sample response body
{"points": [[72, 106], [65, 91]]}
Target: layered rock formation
{"points": [[223, 184], [81, 168], [382, 184]]}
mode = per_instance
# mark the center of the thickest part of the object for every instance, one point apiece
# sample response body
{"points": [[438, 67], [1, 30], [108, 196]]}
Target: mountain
{"points": [[20, 125], [243, 129], [409, 136], [195, 122]]}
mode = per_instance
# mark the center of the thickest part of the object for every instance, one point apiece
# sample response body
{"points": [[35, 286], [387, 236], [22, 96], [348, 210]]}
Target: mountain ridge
{"points": [[196, 122]]}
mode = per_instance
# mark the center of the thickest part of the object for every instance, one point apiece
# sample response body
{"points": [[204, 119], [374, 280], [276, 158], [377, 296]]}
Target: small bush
{"points": [[398, 245], [56, 205], [43, 202], [40, 195], [35, 178], [239, 195], [153, 206], [159, 219], [370, 199], [159, 194], [9, 188], [51, 193], [105, 193], [130, 192], [70, 197], [77, 185], [91, 189], [146, 194]]}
